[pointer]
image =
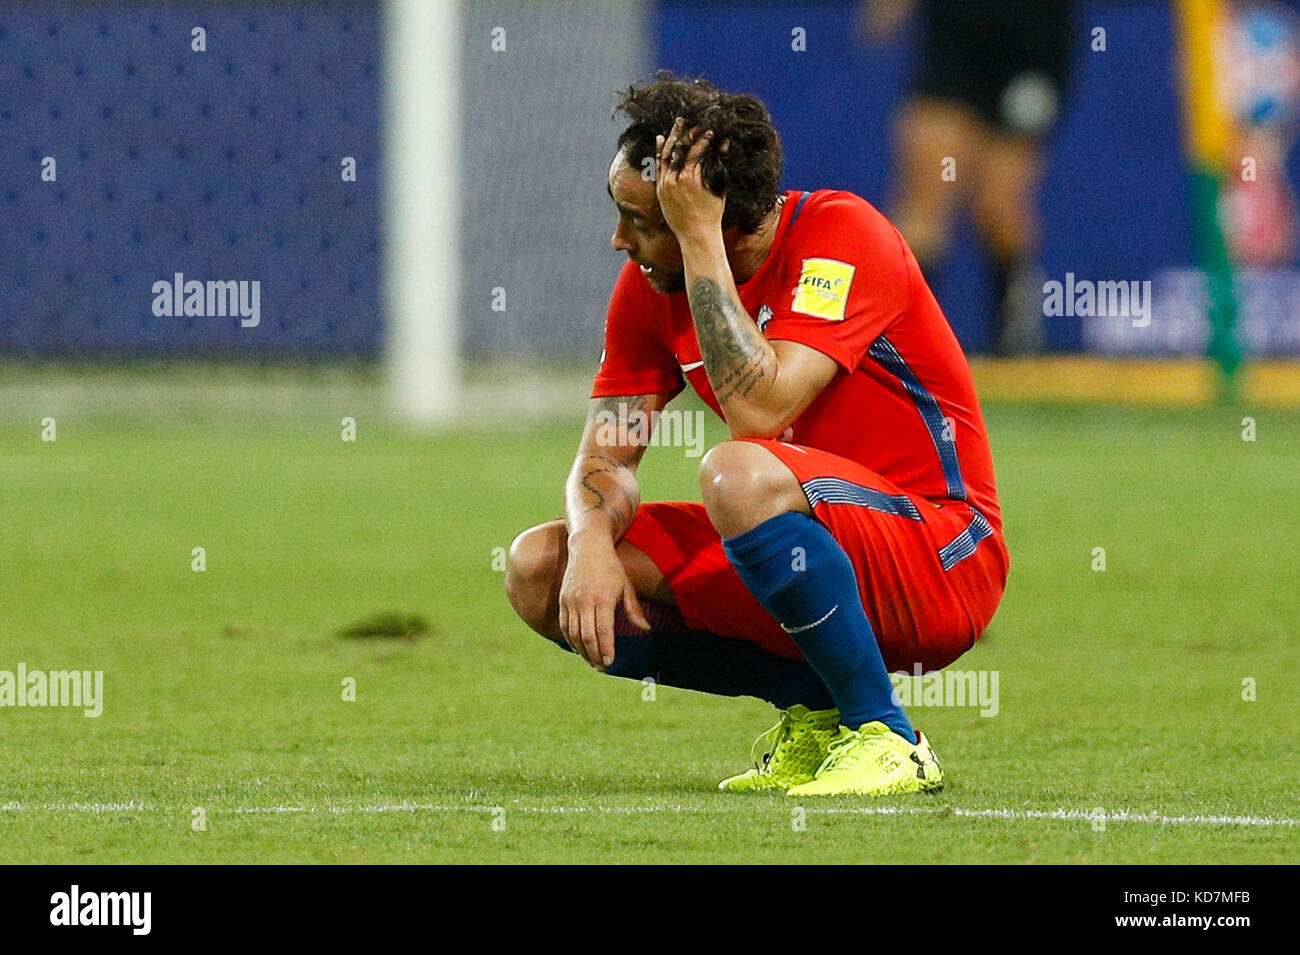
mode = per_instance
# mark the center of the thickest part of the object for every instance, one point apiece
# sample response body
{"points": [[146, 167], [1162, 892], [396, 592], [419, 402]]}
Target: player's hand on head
{"points": [[688, 207]]}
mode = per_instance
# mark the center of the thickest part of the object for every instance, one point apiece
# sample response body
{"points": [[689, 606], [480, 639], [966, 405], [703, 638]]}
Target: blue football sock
{"points": [[798, 571]]}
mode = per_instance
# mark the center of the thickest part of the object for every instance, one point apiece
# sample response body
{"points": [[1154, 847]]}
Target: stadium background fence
{"points": [[225, 164]]}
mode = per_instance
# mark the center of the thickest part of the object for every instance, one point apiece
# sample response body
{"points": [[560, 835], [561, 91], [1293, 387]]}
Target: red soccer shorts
{"points": [[930, 573]]}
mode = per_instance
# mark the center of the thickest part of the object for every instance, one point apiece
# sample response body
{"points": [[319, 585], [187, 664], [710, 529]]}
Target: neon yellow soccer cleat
{"points": [[873, 760], [795, 746]]}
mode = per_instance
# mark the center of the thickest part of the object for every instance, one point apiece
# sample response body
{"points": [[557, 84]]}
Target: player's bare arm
{"points": [[600, 500], [761, 386]]}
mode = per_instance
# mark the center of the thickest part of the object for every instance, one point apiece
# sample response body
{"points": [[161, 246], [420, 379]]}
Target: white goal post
{"points": [[421, 208]]}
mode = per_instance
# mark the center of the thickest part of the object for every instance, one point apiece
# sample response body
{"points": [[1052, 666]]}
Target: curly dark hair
{"points": [[749, 174]]}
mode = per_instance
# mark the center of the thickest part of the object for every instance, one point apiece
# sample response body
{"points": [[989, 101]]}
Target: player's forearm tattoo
{"points": [[608, 494], [612, 405], [736, 355], [603, 480]]}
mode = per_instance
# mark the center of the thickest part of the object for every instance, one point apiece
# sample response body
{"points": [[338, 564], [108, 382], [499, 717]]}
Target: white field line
{"points": [[1074, 815]]}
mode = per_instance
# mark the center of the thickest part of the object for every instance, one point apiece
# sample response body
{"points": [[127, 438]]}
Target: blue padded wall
{"points": [[221, 165]]}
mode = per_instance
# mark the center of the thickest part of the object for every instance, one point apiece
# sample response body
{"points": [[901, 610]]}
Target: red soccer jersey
{"points": [[838, 278]]}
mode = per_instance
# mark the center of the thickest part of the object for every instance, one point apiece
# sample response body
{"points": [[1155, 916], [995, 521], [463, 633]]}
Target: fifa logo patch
{"points": [[823, 289]]}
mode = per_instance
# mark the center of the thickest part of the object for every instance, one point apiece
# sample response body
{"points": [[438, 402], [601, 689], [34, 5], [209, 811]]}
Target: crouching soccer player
{"points": [[851, 526]]}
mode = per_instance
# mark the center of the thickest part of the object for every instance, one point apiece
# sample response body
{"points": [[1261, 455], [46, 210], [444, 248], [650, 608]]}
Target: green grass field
{"points": [[1120, 690]]}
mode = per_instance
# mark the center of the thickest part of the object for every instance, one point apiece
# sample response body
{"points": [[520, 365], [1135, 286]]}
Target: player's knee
{"points": [[743, 484], [532, 564]]}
